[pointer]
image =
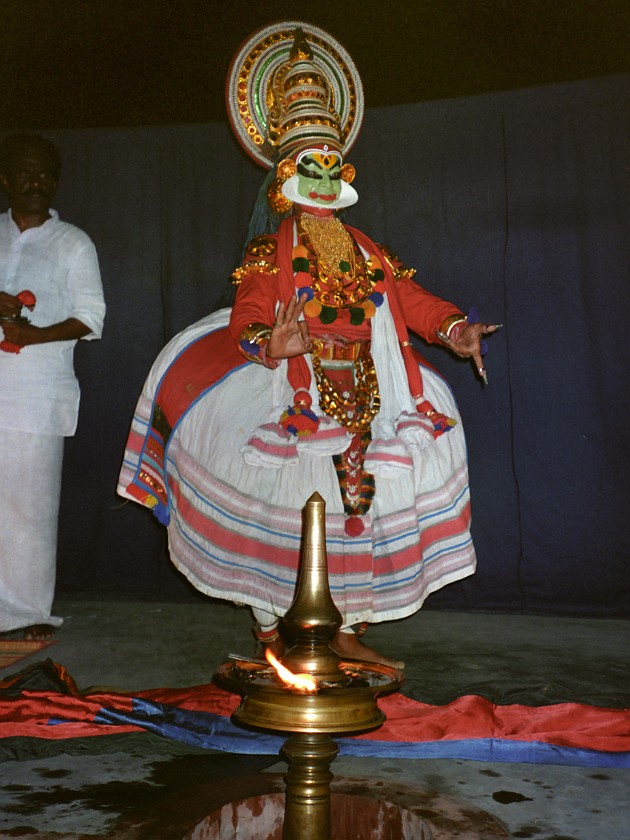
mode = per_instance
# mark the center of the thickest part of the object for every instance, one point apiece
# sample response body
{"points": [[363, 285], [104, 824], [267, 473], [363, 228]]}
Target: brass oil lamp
{"points": [[320, 694]]}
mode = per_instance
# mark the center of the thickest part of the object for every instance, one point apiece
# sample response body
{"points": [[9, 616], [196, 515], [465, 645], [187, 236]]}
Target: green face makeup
{"points": [[319, 178]]}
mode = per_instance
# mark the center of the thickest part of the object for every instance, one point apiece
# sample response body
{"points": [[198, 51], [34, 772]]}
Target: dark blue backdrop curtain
{"points": [[513, 203]]}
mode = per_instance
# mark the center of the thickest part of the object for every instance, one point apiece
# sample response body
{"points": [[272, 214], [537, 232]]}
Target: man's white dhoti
{"points": [[30, 484]]}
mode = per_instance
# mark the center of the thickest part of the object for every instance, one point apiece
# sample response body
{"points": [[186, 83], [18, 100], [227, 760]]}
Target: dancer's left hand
{"points": [[466, 343]]}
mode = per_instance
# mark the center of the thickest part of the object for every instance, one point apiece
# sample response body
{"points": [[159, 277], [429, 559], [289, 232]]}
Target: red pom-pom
{"points": [[354, 526], [300, 422], [9, 347]]}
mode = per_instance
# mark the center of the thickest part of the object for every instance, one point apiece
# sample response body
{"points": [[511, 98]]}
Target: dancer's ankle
{"points": [[269, 639]]}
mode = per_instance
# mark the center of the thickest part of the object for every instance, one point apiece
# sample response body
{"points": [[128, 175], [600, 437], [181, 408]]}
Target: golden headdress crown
{"points": [[300, 103], [291, 86]]}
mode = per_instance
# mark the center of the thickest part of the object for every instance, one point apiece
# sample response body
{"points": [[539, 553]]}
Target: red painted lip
{"points": [[315, 196]]}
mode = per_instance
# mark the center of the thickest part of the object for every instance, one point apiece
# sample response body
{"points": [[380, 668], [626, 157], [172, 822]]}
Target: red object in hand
{"points": [[28, 300]]}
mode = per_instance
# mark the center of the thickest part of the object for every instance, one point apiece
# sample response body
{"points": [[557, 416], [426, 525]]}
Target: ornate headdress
{"points": [[292, 87]]}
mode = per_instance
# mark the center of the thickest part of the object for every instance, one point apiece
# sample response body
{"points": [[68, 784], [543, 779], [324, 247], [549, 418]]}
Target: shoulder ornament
{"points": [[262, 246], [255, 262], [400, 271], [255, 267]]}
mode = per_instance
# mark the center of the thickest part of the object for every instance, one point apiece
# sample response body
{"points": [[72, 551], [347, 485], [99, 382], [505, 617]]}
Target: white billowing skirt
{"points": [[235, 528]]}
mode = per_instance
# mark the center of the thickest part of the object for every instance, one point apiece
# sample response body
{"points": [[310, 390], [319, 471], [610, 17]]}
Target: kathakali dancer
{"points": [[309, 382]]}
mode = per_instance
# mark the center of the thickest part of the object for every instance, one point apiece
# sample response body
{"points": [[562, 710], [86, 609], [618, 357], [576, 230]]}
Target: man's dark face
{"points": [[30, 182]]}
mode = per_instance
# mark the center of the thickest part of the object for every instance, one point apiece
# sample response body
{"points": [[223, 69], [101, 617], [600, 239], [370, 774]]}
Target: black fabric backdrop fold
{"points": [[515, 203]]}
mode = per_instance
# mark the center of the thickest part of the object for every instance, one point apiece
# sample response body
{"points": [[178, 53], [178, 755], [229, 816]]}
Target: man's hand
{"points": [[21, 333], [289, 335], [10, 305]]}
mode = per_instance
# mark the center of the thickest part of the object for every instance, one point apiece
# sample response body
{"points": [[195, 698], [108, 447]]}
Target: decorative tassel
{"points": [[299, 421], [441, 423]]}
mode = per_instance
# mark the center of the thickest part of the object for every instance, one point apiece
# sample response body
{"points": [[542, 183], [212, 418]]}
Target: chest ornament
{"points": [[330, 269]]}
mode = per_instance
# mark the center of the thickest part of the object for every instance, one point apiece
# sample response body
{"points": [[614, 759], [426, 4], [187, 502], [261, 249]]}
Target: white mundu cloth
{"points": [[39, 405], [30, 481]]}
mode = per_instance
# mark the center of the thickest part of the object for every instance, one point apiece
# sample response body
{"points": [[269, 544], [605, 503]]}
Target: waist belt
{"points": [[337, 350]]}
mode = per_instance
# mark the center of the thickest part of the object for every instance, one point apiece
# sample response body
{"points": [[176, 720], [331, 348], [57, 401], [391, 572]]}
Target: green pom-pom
{"points": [[300, 264], [345, 266], [357, 316], [377, 275], [327, 315]]}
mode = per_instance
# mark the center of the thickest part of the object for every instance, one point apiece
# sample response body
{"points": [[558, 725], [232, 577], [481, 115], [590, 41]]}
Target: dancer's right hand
{"points": [[289, 335]]}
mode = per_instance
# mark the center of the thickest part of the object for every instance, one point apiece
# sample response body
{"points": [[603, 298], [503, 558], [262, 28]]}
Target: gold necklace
{"points": [[339, 277], [331, 243]]}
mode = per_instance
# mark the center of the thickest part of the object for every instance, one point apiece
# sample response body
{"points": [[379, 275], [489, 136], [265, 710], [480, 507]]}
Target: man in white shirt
{"points": [[50, 269]]}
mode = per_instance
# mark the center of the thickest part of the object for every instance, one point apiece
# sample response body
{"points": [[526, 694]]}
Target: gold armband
{"points": [[256, 333], [448, 323], [252, 340]]}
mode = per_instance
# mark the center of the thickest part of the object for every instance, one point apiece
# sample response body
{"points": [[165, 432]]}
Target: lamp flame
{"points": [[301, 682]]}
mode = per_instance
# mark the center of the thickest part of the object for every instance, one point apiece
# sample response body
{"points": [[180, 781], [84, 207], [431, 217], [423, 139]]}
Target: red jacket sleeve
{"points": [[257, 293], [424, 312], [255, 303]]}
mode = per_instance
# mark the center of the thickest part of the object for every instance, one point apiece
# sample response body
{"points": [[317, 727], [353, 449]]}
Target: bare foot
{"points": [[39, 632], [350, 646]]}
